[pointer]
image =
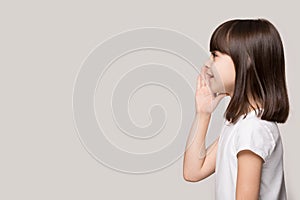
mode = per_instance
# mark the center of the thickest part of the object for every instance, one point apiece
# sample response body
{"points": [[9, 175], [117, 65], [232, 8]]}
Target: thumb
{"points": [[220, 96]]}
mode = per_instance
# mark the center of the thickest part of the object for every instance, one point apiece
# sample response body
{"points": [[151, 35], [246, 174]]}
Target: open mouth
{"points": [[209, 75]]}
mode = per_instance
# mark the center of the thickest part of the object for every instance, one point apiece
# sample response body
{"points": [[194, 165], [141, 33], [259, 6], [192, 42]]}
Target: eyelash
{"points": [[214, 54]]}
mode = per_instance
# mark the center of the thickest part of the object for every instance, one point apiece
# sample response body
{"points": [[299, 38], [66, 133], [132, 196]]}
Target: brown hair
{"points": [[257, 52]]}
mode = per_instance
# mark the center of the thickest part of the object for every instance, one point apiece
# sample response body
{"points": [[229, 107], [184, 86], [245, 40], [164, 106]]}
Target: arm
{"points": [[200, 163], [248, 176]]}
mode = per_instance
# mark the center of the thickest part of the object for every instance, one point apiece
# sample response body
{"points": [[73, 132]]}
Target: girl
{"points": [[247, 64]]}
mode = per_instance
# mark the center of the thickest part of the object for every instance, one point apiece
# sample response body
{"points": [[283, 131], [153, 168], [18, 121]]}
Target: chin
{"points": [[215, 89]]}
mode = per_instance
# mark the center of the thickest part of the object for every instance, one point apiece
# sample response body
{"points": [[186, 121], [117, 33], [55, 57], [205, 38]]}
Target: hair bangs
{"points": [[220, 38]]}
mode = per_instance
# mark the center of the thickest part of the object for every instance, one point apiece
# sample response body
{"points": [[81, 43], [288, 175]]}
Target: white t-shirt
{"points": [[261, 137]]}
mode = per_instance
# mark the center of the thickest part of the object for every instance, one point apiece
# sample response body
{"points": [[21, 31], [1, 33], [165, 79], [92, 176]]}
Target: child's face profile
{"points": [[220, 73]]}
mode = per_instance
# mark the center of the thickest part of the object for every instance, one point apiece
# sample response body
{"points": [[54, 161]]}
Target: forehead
{"points": [[220, 39]]}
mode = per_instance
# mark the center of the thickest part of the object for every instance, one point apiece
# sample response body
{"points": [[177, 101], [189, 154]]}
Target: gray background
{"points": [[42, 47]]}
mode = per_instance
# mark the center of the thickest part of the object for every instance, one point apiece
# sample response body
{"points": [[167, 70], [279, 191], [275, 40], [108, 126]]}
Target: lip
{"points": [[209, 75]]}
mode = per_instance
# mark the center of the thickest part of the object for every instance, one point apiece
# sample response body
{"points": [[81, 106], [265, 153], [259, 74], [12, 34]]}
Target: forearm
{"points": [[195, 151]]}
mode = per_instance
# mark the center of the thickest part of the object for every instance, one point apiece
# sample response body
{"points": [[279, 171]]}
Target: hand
{"points": [[206, 100]]}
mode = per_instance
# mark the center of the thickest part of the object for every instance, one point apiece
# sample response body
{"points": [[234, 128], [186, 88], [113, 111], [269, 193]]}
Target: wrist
{"points": [[203, 115]]}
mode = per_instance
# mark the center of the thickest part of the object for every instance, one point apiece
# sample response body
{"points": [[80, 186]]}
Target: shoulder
{"points": [[257, 135], [256, 126]]}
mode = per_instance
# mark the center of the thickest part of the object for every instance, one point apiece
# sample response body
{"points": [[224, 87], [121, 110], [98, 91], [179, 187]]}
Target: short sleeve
{"points": [[254, 136]]}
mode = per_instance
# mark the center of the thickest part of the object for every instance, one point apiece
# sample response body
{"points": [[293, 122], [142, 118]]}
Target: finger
{"points": [[204, 75], [202, 72], [199, 81], [203, 81], [201, 78]]}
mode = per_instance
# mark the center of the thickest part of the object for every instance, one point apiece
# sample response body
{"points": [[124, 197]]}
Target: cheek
{"points": [[227, 76], [217, 82], [230, 80]]}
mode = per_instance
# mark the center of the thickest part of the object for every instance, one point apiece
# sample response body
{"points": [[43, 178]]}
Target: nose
{"points": [[208, 63]]}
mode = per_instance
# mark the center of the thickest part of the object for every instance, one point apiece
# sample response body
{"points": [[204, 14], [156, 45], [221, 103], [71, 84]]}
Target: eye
{"points": [[214, 54]]}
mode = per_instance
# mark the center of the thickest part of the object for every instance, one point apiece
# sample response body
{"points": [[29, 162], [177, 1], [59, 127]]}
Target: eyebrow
{"points": [[215, 51]]}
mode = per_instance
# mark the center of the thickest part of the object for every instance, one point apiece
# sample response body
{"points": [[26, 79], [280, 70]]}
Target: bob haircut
{"points": [[257, 52]]}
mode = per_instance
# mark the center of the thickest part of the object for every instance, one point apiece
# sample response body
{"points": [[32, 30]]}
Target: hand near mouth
{"points": [[206, 100]]}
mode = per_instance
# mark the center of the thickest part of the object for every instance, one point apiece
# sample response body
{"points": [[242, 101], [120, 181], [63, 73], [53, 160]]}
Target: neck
{"points": [[255, 104]]}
